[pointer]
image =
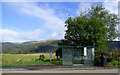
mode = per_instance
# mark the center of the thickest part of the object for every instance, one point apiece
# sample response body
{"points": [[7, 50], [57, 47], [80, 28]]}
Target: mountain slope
{"points": [[31, 46]]}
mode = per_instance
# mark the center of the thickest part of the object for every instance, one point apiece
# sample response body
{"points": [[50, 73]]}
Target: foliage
{"points": [[114, 56], [41, 57], [110, 58], [85, 31], [111, 20], [56, 61], [114, 63], [59, 52], [19, 52], [94, 25], [97, 59]]}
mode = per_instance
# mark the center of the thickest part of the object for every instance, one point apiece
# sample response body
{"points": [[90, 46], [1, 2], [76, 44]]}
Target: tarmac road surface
{"points": [[66, 71], [57, 69]]}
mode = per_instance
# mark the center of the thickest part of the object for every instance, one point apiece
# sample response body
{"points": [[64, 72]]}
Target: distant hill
{"points": [[44, 46], [31, 46], [114, 45]]}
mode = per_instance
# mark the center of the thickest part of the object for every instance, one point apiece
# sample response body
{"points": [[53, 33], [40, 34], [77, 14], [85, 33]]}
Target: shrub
{"points": [[115, 63], [41, 57], [59, 52], [113, 56], [97, 58], [109, 57], [58, 63], [97, 61], [19, 52]]}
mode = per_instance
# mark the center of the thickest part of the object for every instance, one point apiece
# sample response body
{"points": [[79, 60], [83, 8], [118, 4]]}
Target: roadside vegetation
{"points": [[114, 59]]}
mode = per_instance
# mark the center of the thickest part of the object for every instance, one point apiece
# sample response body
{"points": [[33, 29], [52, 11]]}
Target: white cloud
{"points": [[52, 21], [8, 35], [83, 6], [11, 35], [112, 6], [32, 35]]}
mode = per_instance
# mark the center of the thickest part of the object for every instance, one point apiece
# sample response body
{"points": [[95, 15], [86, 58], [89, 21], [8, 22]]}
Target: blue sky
{"points": [[35, 21]]}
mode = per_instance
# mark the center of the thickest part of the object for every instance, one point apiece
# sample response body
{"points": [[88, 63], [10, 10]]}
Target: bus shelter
{"points": [[78, 55]]}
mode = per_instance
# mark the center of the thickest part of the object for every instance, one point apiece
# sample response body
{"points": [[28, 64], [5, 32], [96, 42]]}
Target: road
{"points": [[58, 69], [65, 71]]}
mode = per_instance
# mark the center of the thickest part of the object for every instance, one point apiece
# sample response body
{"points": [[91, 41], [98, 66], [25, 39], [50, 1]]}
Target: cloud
{"points": [[11, 35], [8, 35], [111, 5], [52, 22], [83, 6], [32, 35]]}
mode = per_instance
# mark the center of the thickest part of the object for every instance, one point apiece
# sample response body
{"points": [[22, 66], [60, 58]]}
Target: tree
{"points": [[95, 25], [83, 31], [111, 20]]}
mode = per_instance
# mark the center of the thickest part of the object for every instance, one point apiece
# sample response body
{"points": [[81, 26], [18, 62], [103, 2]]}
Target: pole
{"points": [[50, 58]]}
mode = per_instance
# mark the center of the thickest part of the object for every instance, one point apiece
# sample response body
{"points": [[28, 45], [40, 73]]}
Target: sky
{"points": [[36, 21]]}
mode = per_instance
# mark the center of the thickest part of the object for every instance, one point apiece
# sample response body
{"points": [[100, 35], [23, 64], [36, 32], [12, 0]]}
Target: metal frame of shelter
{"points": [[78, 55]]}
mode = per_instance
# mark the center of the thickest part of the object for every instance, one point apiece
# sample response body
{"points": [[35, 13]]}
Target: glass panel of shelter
{"points": [[89, 58], [67, 56], [78, 55]]}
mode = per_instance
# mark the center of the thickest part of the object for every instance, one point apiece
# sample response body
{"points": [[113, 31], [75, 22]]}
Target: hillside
{"points": [[44, 46], [114, 45], [31, 46]]}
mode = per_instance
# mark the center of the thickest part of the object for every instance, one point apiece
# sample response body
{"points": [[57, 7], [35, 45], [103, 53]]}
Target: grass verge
{"points": [[46, 62]]}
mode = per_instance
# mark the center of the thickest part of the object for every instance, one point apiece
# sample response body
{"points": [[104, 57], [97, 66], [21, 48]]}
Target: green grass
{"points": [[28, 63], [28, 59], [114, 63]]}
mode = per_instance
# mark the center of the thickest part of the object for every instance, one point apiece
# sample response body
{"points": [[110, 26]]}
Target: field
{"points": [[28, 59]]}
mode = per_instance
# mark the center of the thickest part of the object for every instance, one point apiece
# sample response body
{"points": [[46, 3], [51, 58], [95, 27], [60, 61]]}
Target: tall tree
{"points": [[111, 20], [85, 31], [95, 25]]}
